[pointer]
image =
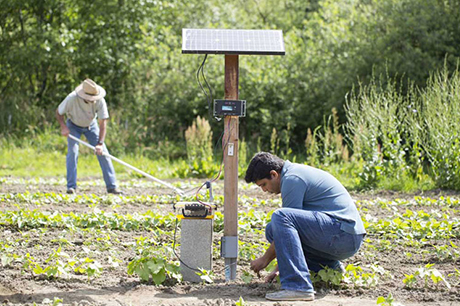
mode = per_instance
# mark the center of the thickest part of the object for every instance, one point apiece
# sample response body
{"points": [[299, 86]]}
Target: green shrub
{"points": [[378, 126], [440, 127], [198, 137]]}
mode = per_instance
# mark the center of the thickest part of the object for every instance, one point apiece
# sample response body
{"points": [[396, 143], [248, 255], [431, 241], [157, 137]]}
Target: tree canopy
{"points": [[133, 49]]}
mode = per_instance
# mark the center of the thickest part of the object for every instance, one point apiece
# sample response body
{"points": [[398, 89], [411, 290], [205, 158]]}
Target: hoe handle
{"points": [[180, 192]]}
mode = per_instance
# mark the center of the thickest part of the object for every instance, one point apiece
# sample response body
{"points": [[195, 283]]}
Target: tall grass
{"points": [[408, 137], [439, 110], [378, 131]]}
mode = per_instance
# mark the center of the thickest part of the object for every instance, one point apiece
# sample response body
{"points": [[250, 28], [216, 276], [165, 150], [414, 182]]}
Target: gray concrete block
{"points": [[196, 247]]}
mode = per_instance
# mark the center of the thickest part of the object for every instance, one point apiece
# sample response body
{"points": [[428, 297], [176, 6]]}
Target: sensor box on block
{"points": [[230, 108]]}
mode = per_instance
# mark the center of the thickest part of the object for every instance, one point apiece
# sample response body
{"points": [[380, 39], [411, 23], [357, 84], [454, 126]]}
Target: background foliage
{"points": [[383, 55]]}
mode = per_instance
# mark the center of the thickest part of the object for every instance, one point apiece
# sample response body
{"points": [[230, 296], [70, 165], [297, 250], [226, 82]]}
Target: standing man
{"points": [[82, 107], [317, 226]]}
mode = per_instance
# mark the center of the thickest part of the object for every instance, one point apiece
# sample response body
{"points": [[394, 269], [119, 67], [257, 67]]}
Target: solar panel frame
{"points": [[227, 41]]}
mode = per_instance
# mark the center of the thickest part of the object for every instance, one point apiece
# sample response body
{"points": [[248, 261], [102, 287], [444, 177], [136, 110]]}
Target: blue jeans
{"points": [[92, 134], [307, 240]]}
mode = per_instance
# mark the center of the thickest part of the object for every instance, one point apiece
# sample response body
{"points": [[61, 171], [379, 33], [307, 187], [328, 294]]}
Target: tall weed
{"points": [[199, 140], [378, 128], [200, 163], [440, 128], [311, 146], [332, 147]]}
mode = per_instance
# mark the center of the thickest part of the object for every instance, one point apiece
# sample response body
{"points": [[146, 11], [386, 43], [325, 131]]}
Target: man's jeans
{"points": [[307, 240], [92, 134]]}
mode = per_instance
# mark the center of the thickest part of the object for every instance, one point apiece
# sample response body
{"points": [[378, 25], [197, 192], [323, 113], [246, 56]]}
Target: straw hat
{"points": [[90, 91]]}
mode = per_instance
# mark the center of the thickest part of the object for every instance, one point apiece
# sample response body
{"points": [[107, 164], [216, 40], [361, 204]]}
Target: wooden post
{"points": [[231, 161]]}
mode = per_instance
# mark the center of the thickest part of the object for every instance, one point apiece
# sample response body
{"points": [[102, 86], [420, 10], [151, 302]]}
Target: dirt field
{"points": [[387, 257]]}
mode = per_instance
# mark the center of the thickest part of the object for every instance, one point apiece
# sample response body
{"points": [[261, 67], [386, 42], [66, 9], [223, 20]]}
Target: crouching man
{"points": [[317, 226]]}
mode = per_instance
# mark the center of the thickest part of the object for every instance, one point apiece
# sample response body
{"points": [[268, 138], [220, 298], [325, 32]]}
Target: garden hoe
{"points": [[180, 192]]}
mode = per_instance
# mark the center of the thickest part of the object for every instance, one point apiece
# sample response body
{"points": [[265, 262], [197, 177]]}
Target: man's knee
{"points": [[281, 216], [280, 219]]}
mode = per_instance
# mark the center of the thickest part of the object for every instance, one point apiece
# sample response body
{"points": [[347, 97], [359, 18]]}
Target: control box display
{"points": [[230, 108]]}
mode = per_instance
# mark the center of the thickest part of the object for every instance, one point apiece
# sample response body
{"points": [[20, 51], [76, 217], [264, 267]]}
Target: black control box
{"points": [[230, 108]]}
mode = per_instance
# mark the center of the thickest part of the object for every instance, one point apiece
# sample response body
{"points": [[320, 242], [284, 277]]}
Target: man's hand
{"points": [[98, 149], [65, 131], [271, 277], [259, 264], [262, 262]]}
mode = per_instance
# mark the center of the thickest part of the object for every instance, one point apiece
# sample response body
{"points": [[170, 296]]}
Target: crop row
{"points": [[25, 218], [416, 201], [410, 225], [149, 263], [415, 225], [125, 183], [40, 198]]}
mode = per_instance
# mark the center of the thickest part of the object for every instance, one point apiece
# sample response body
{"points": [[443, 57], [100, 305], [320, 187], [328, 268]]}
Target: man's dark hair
{"points": [[260, 166]]}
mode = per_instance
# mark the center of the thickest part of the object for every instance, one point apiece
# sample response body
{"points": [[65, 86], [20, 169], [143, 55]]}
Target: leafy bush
{"points": [[147, 266], [440, 126], [198, 137], [379, 133]]}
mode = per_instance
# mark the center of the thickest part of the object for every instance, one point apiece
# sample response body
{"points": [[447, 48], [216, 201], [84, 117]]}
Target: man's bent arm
{"points": [[102, 129], [270, 253], [64, 129], [262, 262]]}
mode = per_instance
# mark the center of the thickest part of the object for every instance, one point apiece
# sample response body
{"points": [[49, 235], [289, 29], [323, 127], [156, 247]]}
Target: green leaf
{"points": [[380, 300], [247, 277], [159, 277], [143, 272], [206, 278], [38, 270], [154, 267], [240, 302]]}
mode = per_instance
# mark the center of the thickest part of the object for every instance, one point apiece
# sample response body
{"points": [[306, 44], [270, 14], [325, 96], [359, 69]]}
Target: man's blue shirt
{"points": [[308, 188]]}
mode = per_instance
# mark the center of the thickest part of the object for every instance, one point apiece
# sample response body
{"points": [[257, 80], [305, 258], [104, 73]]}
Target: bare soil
{"points": [[116, 287]]}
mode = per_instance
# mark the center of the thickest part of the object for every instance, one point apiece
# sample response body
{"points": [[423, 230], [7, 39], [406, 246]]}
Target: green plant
{"points": [[377, 123], [455, 275], [329, 276], [247, 277], [426, 274], [366, 277], [387, 301], [440, 109], [241, 302], [87, 266], [55, 302], [333, 150], [410, 280], [311, 146], [207, 276], [147, 266], [199, 140]]}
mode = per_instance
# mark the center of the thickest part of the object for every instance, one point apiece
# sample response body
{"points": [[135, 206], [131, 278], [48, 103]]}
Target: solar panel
{"points": [[218, 41]]}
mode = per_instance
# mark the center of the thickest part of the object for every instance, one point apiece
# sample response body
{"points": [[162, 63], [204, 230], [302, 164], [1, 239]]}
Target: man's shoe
{"points": [[290, 295], [71, 191], [115, 191], [341, 268]]}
